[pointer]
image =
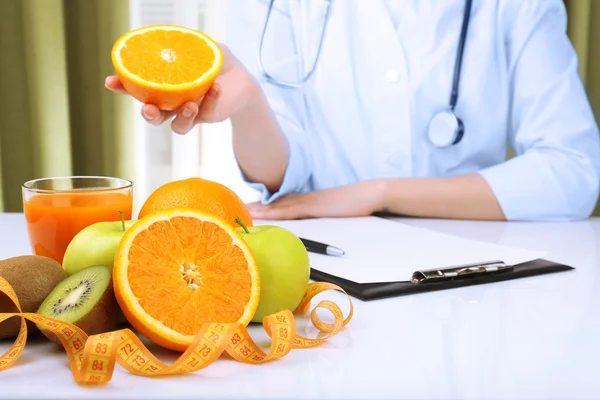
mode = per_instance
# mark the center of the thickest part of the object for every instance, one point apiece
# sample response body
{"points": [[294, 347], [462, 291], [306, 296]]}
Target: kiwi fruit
{"points": [[84, 299], [32, 278]]}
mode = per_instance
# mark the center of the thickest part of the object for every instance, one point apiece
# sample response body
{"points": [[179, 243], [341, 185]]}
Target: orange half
{"points": [[166, 65], [178, 269]]}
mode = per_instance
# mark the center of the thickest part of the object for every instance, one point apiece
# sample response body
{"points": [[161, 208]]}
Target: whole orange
{"points": [[200, 194]]}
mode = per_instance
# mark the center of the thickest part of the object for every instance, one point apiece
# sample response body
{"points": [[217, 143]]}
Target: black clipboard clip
{"points": [[459, 272], [445, 278]]}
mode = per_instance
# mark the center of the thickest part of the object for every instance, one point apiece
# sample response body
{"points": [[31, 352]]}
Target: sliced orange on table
{"points": [[177, 269], [166, 65]]}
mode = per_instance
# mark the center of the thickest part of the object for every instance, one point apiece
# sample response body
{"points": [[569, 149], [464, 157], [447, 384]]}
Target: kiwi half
{"points": [[84, 299]]}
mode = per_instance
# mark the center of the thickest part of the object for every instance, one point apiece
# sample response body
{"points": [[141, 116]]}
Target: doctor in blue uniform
{"points": [[351, 107]]}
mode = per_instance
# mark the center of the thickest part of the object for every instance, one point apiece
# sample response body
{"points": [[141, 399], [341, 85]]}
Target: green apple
{"points": [[283, 265], [95, 244]]}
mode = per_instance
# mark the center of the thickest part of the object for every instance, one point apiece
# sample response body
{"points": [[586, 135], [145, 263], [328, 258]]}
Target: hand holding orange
{"points": [[225, 88], [166, 65]]}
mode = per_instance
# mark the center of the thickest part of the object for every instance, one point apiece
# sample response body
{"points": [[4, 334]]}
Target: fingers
{"points": [[207, 111], [185, 119], [150, 112], [260, 211], [114, 84], [282, 209], [284, 213], [154, 116]]}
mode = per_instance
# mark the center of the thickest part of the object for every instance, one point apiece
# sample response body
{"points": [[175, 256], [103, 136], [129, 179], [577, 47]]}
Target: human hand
{"points": [[231, 92], [356, 200]]}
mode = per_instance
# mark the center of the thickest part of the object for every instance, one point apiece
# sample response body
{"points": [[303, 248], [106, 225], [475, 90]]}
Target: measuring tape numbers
{"points": [[92, 358]]}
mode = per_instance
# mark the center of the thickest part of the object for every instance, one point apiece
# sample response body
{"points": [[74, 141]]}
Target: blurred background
{"points": [[56, 117]]}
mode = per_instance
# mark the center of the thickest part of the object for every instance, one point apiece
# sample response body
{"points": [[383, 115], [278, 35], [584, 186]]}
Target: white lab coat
{"points": [[386, 69]]}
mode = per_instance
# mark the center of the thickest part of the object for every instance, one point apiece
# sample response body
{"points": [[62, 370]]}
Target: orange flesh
{"points": [[167, 56], [215, 284]]}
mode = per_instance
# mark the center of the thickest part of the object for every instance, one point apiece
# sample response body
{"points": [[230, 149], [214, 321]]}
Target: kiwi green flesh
{"points": [[76, 295], [85, 299]]}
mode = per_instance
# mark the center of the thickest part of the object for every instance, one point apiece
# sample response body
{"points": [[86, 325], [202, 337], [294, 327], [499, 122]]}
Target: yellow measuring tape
{"points": [[92, 359]]}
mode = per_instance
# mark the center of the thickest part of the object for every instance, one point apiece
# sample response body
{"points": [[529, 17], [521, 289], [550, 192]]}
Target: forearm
{"points": [[460, 197], [259, 145]]}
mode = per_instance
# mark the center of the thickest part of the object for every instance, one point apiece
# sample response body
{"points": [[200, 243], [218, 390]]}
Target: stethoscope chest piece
{"points": [[445, 129]]}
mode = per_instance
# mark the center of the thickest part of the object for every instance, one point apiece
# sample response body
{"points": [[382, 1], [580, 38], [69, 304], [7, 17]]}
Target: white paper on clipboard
{"points": [[380, 250]]}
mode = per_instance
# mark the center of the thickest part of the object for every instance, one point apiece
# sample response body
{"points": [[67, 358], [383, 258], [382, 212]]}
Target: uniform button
{"points": [[392, 75]]}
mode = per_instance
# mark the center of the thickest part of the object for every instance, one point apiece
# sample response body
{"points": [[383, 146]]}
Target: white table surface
{"points": [[532, 338]]}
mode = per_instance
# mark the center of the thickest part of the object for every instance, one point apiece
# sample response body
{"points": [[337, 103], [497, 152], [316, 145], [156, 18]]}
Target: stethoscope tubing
{"points": [[458, 129], [261, 66]]}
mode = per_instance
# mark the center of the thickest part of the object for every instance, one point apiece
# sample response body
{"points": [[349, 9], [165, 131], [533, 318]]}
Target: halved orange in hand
{"points": [[178, 269], [166, 65]]}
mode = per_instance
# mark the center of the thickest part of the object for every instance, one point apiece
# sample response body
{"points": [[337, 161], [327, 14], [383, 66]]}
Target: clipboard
{"points": [[423, 281], [385, 258]]}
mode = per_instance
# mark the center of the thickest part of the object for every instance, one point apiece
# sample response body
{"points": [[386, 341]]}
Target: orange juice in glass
{"points": [[56, 209]]}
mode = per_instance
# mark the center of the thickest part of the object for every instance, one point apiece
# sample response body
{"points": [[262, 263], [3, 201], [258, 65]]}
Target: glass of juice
{"points": [[56, 209]]}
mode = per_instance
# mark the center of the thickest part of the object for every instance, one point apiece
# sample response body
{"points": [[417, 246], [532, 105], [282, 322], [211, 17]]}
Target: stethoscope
{"points": [[445, 128]]}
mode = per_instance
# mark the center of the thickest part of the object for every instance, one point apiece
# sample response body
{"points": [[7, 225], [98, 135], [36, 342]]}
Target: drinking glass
{"points": [[57, 208]]}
